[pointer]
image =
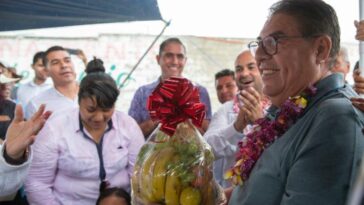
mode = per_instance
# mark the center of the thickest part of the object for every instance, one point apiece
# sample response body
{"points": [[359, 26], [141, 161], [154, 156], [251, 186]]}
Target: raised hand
{"points": [[359, 30], [81, 55], [250, 108], [21, 134], [358, 102], [358, 82], [252, 105]]}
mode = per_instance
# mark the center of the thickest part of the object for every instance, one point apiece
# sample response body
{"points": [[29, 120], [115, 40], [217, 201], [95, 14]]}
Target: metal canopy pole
{"points": [[145, 53], [361, 43]]}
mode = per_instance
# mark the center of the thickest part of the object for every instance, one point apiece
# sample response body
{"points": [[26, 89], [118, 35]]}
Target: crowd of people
{"points": [[289, 129]]}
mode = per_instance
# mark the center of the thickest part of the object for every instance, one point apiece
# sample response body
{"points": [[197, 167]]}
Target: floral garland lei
{"points": [[264, 133]]}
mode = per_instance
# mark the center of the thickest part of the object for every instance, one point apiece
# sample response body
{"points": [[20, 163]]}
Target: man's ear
{"points": [[323, 47]]}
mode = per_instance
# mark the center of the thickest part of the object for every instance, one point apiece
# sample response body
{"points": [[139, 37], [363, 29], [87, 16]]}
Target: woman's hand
{"points": [[21, 134]]}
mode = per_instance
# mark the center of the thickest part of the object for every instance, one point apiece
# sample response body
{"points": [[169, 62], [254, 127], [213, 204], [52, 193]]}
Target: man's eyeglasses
{"points": [[269, 44]]}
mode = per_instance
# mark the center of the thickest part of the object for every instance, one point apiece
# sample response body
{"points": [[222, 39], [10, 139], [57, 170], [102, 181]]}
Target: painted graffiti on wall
{"points": [[120, 52]]}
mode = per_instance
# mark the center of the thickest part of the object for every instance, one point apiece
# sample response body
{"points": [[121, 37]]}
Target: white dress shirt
{"points": [[54, 101], [29, 90], [223, 139], [12, 177]]}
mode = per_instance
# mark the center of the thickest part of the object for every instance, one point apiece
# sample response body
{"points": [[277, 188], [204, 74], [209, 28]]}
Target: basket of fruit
{"points": [[174, 167]]}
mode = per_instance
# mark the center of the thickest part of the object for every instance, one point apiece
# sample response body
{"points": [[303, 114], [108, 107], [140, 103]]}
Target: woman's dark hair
{"points": [[115, 191], [98, 84], [96, 65]]}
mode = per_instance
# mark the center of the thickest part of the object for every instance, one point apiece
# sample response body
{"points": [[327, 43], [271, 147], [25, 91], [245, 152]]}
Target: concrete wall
{"points": [[120, 53]]}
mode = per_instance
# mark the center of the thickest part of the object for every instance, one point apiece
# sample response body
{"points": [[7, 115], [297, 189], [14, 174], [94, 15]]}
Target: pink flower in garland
{"points": [[264, 133]]}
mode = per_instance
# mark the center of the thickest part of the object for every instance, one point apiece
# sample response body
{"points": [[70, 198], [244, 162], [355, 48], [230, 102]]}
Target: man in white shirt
{"points": [[28, 90], [63, 94], [15, 153], [231, 122]]}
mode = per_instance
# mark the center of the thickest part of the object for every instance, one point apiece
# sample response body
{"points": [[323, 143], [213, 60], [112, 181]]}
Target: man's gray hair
{"points": [[344, 53]]}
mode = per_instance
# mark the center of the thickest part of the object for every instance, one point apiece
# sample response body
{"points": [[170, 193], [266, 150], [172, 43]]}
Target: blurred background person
{"points": [[38, 84], [228, 125], [7, 89], [7, 106], [341, 63], [358, 79], [225, 85]]}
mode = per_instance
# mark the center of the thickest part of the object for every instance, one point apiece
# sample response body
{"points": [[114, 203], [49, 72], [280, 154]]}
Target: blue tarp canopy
{"points": [[32, 14]]}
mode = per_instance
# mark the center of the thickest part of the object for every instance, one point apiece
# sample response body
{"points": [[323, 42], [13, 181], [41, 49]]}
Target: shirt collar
{"points": [[155, 83], [110, 124], [32, 83], [324, 86]]}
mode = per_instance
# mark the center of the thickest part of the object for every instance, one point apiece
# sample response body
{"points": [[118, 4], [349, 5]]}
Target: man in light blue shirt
{"points": [[172, 59]]}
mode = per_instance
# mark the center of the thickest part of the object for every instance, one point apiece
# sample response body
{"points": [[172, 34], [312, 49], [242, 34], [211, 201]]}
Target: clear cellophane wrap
{"points": [[175, 165], [175, 170]]}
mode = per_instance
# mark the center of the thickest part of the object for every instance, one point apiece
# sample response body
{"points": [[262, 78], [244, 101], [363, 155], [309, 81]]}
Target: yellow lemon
{"points": [[190, 196]]}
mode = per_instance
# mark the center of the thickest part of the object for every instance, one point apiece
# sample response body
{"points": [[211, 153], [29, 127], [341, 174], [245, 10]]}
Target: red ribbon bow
{"points": [[174, 101]]}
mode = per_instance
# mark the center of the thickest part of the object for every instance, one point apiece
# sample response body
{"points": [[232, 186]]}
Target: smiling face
{"points": [[297, 63], [60, 67], [247, 72], [226, 88], [172, 60]]}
